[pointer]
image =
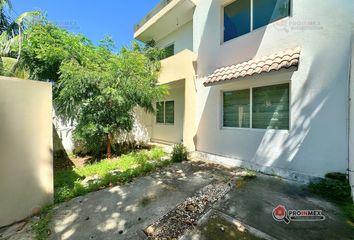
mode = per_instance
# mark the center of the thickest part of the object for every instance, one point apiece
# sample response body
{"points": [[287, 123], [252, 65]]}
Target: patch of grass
{"points": [[348, 210], [41, 227], [336, 188], [67, 183]]}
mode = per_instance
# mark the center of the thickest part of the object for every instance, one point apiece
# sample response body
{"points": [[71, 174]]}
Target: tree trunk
{"points": [[109, 148], [19, 43]]}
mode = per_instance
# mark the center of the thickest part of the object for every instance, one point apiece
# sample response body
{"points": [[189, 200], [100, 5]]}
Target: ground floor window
{"points": [[259, 108], [237, 109], [165, 112]]}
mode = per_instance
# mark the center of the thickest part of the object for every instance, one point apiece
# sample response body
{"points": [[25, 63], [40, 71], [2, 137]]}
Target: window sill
{"points": [[165, 124], [254, 129]]}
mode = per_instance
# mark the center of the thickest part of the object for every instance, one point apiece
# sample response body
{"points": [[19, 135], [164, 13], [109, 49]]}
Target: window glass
{"points": [[170, 112], [169, 50], [237, 19], [271, 107], [160, 112], [267, 11], [237, 109]]}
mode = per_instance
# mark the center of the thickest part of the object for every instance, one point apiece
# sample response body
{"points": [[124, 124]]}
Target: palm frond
{"points": [[5, 3], [7, 41], [26, 16]]}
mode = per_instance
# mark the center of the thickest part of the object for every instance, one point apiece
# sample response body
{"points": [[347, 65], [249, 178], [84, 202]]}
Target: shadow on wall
{"points": [[316, 142], [24, 193], [60, 156], [25, 147], [210, 43]]}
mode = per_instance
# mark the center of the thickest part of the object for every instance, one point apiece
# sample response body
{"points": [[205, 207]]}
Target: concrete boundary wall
{"points": [[26, 163]]}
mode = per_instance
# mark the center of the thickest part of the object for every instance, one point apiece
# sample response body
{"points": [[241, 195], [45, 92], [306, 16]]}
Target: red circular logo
{"points": [[279, 212]]}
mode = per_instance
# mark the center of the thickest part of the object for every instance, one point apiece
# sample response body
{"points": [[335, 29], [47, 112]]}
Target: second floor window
{"points": [[244, 16], [169, 50]]}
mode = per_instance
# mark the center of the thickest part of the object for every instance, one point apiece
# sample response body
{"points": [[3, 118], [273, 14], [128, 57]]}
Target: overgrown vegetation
{"points": [[336, 188], [179, 153], [68, 183], [96, 88], [12, 38], [41, 227]]}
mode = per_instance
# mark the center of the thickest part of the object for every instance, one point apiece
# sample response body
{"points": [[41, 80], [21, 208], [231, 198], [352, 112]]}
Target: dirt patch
{"points": [[83, 161]]}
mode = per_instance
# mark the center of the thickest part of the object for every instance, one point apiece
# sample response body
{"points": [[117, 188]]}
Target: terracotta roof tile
{"points": [[274, 62]]}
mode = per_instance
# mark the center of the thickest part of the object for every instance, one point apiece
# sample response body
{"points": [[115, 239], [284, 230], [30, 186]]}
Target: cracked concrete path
{"points": [[253, 201], [123, 212]]}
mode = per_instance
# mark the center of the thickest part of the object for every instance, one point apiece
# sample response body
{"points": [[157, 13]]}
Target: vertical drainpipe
{"points": [[351, 117]]}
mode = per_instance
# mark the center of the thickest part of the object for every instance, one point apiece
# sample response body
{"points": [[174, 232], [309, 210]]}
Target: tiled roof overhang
{"points": [[275, 62]]}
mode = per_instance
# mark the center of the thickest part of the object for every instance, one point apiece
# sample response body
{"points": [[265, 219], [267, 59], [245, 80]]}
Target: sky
{"points": [[93, 19]]}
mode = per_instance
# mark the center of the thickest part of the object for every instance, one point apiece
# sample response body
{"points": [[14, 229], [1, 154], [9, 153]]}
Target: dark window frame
{"points": [[165, 121], [252, 17], [172, 51]]}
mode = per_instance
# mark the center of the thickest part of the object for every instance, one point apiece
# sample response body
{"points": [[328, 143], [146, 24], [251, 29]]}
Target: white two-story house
{"points": [[263, 84]]}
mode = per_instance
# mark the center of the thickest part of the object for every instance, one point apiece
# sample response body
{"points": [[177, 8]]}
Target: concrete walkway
{"points": [[123, 212]]}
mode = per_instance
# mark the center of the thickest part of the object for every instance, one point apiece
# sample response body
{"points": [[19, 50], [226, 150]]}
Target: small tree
{"points": [[46, 47], [100, 94], [93, 87]]}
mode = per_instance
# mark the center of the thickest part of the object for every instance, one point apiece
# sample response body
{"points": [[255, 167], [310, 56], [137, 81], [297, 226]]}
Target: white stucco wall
{"points": [[182, 38], [171, 133], [65, 132], [317, 141], [26, 147]]}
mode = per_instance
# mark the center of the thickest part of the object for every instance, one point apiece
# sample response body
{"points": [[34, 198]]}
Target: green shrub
{"points": [[335, 187], [179, 153], [89, 146], [337, 176], [348, 210]]}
